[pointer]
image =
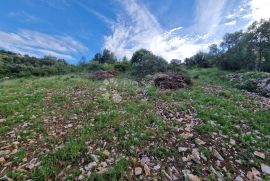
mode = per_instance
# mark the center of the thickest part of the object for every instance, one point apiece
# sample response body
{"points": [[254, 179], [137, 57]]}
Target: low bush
{"points": [[96, 66], [122, 66]]}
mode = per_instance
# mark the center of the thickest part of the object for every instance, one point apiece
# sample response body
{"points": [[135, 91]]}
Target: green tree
{"points": [[259, 39], [97, 57], [108, 57], [139, 55], [145, 62]]}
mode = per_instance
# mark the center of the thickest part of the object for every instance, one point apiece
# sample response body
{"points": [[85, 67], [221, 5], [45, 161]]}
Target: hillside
{"points": [[16, 65], [69, 127]]}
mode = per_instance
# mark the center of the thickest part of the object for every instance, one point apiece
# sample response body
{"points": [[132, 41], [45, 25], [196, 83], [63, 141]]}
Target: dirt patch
{"points": [[171, 80], [101, 75]]}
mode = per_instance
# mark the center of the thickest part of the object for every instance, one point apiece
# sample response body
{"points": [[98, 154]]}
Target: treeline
{"points": [[249, 50], [15, 65], [142, 63]]}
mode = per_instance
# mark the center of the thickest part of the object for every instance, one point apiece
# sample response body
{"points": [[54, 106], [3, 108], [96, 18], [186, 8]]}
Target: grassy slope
{"points": [[53, 125]]}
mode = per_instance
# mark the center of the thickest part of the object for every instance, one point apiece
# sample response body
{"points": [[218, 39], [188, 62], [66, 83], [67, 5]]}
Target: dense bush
{"points": [[147, 63], [140, 55], [122, 66], [199, 59], [248, 50], [96, 66], [106, 57], [13, 65]]}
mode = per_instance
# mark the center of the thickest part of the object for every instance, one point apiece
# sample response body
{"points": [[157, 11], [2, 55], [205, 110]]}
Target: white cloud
{"points": [[259, 9], [137, 28], [230, 23], [105, 19], [208, 15], [40, 44]]}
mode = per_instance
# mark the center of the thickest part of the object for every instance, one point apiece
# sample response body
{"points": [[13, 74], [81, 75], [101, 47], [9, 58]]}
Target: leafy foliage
{"points": [[13, 65], [106, 57], [145, 62], [248, 50], [199, 59]]}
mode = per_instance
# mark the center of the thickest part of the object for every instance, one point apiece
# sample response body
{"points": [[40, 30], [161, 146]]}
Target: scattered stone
{"points": [[68, 126], [144, 160], [16, 143], [232, 141], [138, 171], [14, 151], [195, 156], [2, 120], [199, 141], [166, 175], [90, 166], [217, 155], [218, 174], [146, 170], [238, 161], [157, 168], [94, 157], [193, 177], [33, 117], [253, 176], [81, 177], [203, 157], [259, 154], [103, 164], [182, 149], [116, 98], [187, 135], [4, 152], [255, 171], [238, 178], [106, 153], [265, 168], [2, 160]]}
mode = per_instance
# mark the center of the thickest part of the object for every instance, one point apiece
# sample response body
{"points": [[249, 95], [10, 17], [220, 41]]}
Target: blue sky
{"points": [[71, 29]]}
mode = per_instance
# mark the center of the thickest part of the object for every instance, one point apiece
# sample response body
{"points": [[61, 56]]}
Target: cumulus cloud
{"points": [[230, 23], [259, 9], [137, 28], [40, 44]]}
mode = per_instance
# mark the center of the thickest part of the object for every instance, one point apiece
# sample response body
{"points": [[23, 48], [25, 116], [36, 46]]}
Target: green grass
{"points": [[125, 127]]}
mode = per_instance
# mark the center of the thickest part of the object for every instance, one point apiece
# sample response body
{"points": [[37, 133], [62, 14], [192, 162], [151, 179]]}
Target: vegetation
{"points": [[71, 127], [249, 50], [14, 65], [145, 62], [69, 118]]}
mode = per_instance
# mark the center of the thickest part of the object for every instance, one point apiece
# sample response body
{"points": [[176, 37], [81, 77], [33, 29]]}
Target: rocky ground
{"points": [[72, 128]]}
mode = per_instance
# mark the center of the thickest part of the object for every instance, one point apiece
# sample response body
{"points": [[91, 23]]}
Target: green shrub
{"points": [[96, 66], [147, 63], [122, 67]]}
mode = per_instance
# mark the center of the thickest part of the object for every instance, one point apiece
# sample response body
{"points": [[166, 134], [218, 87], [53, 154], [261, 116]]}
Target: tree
{"points": [[124, 59], [138, 55], [108, 57], [199, 59], [97, 57], [259, 39], [82, 61], [213, 50], [145, 62], [230, 40]]}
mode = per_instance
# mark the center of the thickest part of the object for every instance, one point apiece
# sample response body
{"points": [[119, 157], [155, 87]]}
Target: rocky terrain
{"points": [[73, 128]]}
